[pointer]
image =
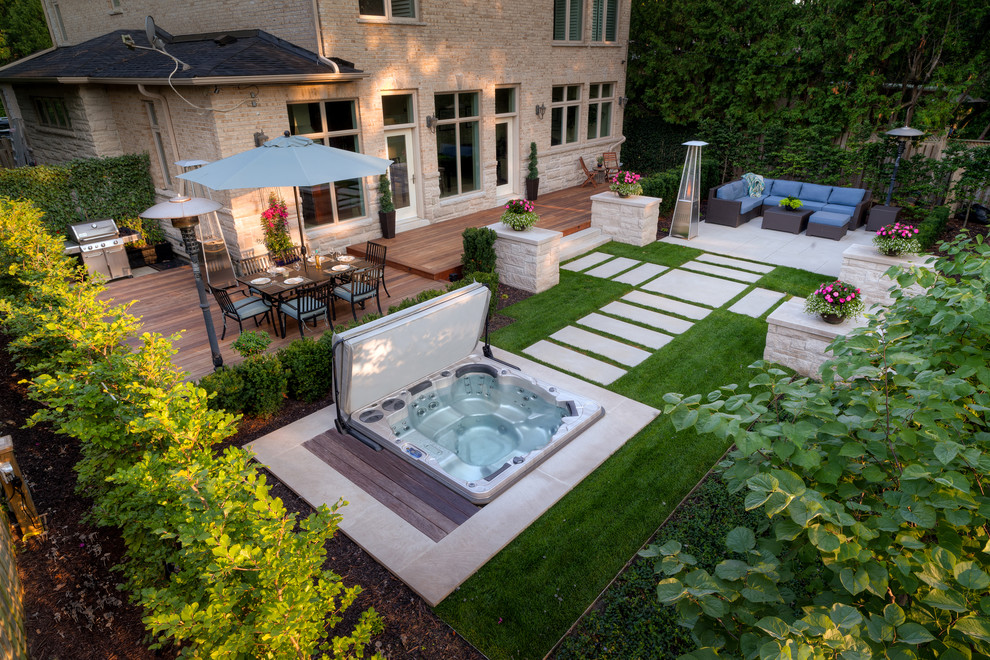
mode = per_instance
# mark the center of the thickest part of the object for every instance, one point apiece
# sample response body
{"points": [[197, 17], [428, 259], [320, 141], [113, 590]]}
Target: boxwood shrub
{"points": [[307, 366]]}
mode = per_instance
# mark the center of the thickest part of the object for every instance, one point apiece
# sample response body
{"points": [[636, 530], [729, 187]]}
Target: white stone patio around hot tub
{"points": [[435, 569]]}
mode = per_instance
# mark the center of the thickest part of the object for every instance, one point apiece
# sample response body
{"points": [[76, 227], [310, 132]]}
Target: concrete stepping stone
{"points": [[587, 261], [634, 333], [721, 271], [610, 268], [586, 367], [646, 317], [667, 305], [735, 263], [756, 302], [641, 274], [704, 289], [589, 341]]}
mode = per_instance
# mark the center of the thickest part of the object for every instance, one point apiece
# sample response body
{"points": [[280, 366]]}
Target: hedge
{"points": [[217, 564], [932, 227]]}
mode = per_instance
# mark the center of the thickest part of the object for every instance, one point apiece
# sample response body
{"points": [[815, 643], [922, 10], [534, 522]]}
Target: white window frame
{"points": [[571, 9], [564, 107], [389, 16], [595, 99], [458, 122], [49, 108]]}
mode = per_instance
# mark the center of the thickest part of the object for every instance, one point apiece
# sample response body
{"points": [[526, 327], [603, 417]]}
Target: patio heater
{"points": [[902, 135], [184, 213], [685, 222]]}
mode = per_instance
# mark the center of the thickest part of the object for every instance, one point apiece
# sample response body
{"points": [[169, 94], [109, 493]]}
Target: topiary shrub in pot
{"points": [[386, 207], [533, 175]]}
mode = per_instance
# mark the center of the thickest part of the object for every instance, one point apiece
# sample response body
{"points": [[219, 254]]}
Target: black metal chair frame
{"points": [[230, 309], [370, 277], [375, 253], [320, 293]]}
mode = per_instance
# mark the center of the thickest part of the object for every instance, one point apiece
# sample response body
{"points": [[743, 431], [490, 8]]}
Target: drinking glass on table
{"points": [[297, 265]]}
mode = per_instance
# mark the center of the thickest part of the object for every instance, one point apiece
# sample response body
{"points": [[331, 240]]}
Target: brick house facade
{"points": [[453, 92]]}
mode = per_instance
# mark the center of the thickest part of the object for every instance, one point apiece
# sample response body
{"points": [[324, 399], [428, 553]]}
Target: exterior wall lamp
{"points": [[541, 110], [622, 101], [431, 123]]}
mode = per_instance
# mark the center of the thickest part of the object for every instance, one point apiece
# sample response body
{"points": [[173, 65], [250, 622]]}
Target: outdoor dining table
{"points": [[282, 285]]}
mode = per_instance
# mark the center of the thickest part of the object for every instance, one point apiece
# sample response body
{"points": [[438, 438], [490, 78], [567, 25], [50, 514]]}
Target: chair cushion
{"points": [[733, 190], [313, 308], [772, 200], [243, 302], [840, 209], [750, 203], [814, 206], [826, 218], [251, 309], [783, 188], [846, 196], [812, 192], [360, 292]]}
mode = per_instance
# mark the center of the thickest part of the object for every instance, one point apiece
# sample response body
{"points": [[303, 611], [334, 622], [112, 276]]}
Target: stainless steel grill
{"points": [[102, 248]]}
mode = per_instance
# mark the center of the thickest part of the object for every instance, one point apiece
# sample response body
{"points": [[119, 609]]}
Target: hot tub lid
{"points": [[399, 349]]}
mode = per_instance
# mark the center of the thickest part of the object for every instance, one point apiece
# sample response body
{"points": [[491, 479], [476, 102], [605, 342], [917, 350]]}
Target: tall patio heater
{"points": [[685, 222]]}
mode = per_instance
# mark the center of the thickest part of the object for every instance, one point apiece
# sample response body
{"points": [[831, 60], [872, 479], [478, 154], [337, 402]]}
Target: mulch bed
{"points": [[71, 603]]}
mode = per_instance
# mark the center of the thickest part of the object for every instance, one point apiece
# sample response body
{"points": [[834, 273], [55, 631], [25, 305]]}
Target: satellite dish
{"points": [[151, 33]]}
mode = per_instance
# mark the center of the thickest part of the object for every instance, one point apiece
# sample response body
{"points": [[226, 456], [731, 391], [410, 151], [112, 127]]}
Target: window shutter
{"points": [[611, 20], [559, 20], [404, 8], [574, 27], [596, 20]]}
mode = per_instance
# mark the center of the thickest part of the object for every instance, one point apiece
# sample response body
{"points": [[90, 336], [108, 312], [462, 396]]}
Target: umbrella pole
{"points": [[299, 219]]}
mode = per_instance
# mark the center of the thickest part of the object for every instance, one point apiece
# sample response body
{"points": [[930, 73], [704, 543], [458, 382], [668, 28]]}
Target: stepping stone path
{"points": [[756, 302], [706, 283]]}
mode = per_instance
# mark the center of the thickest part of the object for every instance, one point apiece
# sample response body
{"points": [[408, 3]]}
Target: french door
{"points": [[402, 172]]}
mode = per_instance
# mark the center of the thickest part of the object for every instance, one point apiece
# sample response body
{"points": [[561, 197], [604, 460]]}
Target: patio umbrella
{"points": [[288, 161]]}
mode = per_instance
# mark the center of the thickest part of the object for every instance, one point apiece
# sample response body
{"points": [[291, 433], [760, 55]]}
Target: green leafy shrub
{"points": [[265, 384], [663, 185], [254, 342], [308, 367], [227, 388], [479, 250], [871, 483], [932, 227], [490, 280]]}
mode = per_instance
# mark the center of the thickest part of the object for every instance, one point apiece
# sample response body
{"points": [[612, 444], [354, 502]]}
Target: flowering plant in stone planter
{"points": [[520, 214], [835, 302], [792, 203], [275, 225], [896, 239], [626, 183]]}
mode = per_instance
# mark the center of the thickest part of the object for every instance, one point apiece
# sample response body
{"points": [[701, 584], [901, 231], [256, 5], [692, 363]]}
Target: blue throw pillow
{"points": [[846, 196], [783, 188], [813, 192]]}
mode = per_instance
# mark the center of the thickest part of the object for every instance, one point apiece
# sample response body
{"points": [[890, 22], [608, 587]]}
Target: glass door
{"points": [[402, 173], [506, 155]]}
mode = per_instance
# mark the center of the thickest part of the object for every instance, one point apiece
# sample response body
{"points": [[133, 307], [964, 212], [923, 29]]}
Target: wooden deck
{"points": [[417, 498], [168, 303], [435, 251]]}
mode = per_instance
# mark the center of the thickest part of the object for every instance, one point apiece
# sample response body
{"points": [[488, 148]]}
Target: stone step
{"points": [[667, 305], [657, 320], [735, 263], [616, 351], [721, 271], [564, 358], [634, 333], [587, 261], [613, 267], [580, 242], [756, 302], [640, 274]]}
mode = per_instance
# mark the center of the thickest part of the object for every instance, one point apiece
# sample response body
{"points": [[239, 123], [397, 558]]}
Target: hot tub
{"points": [[473, 423]]}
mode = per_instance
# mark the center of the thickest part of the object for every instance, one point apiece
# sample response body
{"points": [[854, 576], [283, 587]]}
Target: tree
{"points": [[874, 485], [22, 30]]}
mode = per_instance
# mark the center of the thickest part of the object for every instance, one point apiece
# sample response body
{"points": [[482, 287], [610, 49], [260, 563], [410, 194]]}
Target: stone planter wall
{"points": [[527, 260], [799, 340], [864, 267], [631, 220]]}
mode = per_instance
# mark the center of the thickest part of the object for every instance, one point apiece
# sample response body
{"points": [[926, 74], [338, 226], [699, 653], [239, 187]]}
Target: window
{"points": [[565, 102], [59, 22], [600, 110], [505, 100], [567, 16], [334, 124], [156, 136], [388, 8], [604, 15], [52, 112], [397, 109], [457, 142]]}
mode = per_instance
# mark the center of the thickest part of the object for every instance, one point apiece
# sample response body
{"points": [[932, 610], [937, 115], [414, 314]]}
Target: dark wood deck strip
{"points": [[435, 251], [418, 499]]}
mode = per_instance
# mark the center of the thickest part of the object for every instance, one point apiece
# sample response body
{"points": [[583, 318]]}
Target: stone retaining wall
{"points": [[799, 340], [527, 260], [631, 220], [864, 267]]}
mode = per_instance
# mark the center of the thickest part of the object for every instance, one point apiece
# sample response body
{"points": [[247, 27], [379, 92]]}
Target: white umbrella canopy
{"points": [[288, 161]]}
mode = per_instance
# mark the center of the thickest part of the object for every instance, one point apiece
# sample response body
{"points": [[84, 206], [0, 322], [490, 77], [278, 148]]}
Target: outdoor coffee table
{"points": [[781, 219]]}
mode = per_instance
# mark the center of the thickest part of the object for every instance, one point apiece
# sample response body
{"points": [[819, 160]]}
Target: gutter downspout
{"points": [[319, 38], [168, 119]]}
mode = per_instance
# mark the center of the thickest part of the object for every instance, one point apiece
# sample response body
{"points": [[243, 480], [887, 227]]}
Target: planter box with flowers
{"points": [[520, 215], [800, 340], [625, 215], [895, 245]]}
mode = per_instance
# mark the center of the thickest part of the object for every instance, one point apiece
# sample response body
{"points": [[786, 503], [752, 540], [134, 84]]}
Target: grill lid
{"points": [[95, 230]]}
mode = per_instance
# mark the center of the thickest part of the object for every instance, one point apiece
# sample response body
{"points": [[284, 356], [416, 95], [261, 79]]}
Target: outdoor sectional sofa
{"points": [[730, 205]]}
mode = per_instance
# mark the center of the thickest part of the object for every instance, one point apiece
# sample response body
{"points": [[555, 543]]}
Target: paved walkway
{"points": [[750, 241], [665, 303]]}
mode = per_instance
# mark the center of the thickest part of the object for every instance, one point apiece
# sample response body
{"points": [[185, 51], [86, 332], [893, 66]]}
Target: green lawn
{"points": [[521, 602]]}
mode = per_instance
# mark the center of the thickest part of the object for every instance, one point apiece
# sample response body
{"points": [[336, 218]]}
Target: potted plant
{"points": [[386, 208], [275, 225], [625, 184], [150, 247], [519, 214], [790, 203], [533, 175], [835, 302], [896, 239]]}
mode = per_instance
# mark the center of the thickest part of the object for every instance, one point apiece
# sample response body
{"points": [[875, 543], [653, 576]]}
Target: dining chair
{"points": [[250, 307], [311, 302], [363, 285], [610, 161], [254, 266], [375, 253], [589, 175]]}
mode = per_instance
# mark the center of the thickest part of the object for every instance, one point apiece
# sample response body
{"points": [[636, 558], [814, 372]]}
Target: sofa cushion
{"points": [[812, 192], [811, 204], [846, 196], [733, 190], [772, 200], [826, 218], [839, 208], [783, 188], [750, 203]]}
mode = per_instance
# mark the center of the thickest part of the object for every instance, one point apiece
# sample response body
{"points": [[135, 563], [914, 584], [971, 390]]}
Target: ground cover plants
{"points": [[523, 600], [217, 564]]}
